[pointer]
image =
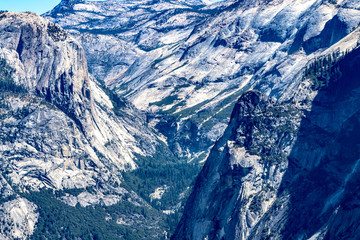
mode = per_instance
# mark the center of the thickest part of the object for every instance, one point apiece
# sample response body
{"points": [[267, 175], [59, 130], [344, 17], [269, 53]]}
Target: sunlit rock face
{"points": [[18, 219], [188, 62], [58, 128], [49, 63]]}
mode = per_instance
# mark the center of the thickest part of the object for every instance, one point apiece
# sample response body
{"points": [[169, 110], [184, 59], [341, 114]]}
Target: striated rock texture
{"points": [[237, 183], [18, 218], [60, 130], [283, 170], [47, 61], [187, 63]]}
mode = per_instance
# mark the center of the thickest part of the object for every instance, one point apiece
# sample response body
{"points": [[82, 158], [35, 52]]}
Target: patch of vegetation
{"points": [[165, 101], [178, 176], [158, 171], [149, 48], [21, 113], [7, 199], [172, 98], [73, 191], [266, 234], [60, 221], [223, 110], [159, 60], [255, 205], [2, 14], [323, 70], [199, 85], [56, 33], [118, 103], [104, 31], [191, 110], [175, 107], [185, 85], [6, 81]]}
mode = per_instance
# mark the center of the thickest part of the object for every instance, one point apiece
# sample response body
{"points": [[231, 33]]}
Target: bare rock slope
{"points": [[284, 169], [59, 130], [187, 63]]}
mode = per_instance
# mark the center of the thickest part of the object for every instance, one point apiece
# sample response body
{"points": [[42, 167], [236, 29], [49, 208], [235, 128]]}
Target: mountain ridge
{"points": [[219, 52]]}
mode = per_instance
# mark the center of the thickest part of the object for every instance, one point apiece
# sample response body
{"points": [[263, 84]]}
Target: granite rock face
{"points": [[59, 130], [18, 219], [49, 63], [239, 181], [283, 169], [187, 62]]}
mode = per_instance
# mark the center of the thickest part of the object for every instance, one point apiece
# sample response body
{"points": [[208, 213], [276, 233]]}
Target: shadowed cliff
{"points": [[237, 195]]}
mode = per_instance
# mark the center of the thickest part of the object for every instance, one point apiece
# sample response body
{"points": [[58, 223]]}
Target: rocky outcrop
{"points": [[41, 146], [67, 4], [48, 62], [59, 130], [244, 169], [83, 137], [18, 219], [283, 170]]}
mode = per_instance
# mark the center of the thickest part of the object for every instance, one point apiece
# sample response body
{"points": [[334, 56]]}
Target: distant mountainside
{"points": [[186, 64]]}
